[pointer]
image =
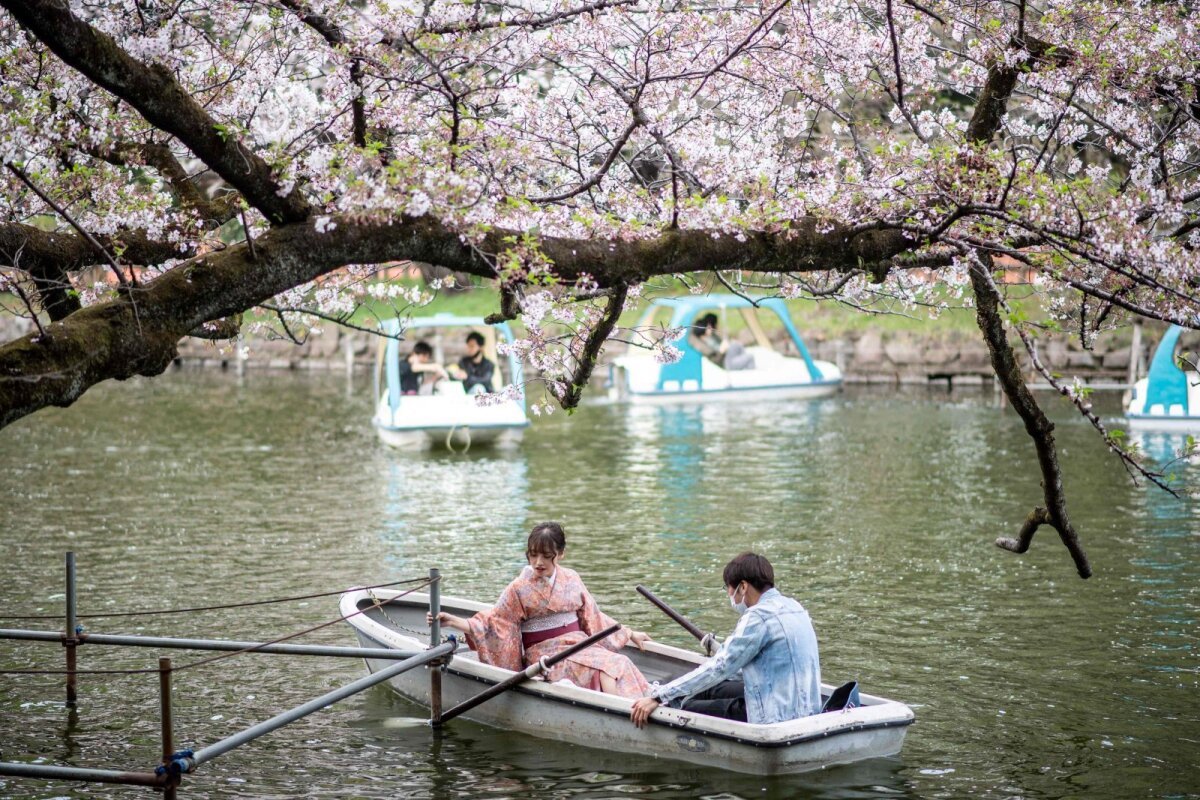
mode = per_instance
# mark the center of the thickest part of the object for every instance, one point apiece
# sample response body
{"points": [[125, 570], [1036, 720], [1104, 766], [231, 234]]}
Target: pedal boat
{"points": [[449, 417], [569, 713], [638, 377], [1168, 398]]}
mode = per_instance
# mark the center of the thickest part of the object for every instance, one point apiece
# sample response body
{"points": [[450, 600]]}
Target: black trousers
{"points": [[727, 699]]}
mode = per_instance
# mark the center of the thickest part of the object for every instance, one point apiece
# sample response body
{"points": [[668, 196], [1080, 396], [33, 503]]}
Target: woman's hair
{"points": [[546, 538], [751, 568]]}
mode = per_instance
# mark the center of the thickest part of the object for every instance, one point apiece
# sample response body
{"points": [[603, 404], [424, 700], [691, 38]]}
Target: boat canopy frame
{"points": [[1166, 382]]}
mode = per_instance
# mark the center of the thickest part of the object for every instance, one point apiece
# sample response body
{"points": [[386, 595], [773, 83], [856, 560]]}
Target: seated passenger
{"points": [[418, 365], [773, 647], [474, 369], [543, 612], [723, 352]]}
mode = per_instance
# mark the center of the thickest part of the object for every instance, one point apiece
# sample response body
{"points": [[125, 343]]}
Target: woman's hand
{"points": [[449, 620], [639, 638]]}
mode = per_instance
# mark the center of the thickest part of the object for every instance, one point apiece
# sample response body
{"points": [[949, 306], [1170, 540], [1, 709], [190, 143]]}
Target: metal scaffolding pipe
{"points": [[19, 770], [213, 644], [168, 737], [435, 636], [69, 640], [189, 763]]}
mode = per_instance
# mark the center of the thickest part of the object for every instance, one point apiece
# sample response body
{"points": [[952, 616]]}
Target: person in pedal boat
{"points": [[543, 612], [773, 646]]}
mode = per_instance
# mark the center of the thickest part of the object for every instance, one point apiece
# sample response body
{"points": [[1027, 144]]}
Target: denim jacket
{"points": [[775, 647]]}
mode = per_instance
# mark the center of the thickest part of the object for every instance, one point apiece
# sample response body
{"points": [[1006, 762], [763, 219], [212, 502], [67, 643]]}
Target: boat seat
{"points": [[1176, 410], [1157, 410], [843, 698]]}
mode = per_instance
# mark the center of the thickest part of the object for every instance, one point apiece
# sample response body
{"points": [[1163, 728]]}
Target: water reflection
{"points": [[441, 502], [470, 760], [878, 508]]}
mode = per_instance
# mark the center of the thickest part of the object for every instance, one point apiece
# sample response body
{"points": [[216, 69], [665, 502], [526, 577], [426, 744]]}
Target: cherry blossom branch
{"points": [[159, 156], [741, 46], [1039, 428], [614, 151], [155, 93], [333, 34], [891, 23], [1132, 467], [585, 360], [62, 212], [341, 320], [15, 285], [533, 23]]}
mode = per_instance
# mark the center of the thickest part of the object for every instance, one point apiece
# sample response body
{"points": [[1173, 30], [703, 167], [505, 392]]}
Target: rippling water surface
{"points": [[878, 509]]}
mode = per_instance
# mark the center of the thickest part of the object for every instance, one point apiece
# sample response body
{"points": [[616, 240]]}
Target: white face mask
{"points": [[739, 607]]}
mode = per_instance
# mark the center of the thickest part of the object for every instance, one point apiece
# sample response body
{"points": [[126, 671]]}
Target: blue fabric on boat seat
{"points": [[843, 698]]}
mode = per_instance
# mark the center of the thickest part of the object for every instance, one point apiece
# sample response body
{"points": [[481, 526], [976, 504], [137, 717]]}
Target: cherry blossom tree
{"points": [[567, 152]]}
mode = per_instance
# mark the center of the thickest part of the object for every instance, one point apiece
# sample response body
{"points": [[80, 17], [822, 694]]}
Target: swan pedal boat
{"points": [[639, 378], [568, 713], [1168, 398]]}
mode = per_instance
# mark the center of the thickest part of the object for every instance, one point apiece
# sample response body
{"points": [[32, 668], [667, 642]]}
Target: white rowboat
{"points": [[569, 713]]}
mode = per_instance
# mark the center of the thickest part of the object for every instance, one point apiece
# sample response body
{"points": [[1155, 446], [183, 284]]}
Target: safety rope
{"points": [[222, 656], [213, 608], [401, 626]]}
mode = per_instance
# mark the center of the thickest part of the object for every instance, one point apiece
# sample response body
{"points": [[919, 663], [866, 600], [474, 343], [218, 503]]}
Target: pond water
{"points": [[878, 508]]}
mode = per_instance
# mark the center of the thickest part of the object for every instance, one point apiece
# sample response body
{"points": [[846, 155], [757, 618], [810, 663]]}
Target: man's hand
{"points": [[642, 709]]}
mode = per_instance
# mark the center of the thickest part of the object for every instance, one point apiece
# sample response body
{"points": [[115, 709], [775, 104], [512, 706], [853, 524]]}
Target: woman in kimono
{"points": [[543, 612]]}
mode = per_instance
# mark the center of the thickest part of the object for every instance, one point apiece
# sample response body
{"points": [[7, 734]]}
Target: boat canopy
{"points": [[686, 309], [391, 350], [1166, 383]]}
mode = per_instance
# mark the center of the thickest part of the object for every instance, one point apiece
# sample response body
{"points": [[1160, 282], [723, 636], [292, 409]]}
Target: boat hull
{"points": [[565, 712], [1165, 424], [736, 395], [456, 437]]}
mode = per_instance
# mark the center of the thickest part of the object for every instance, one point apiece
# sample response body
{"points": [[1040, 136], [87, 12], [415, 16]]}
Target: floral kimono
{"points": [[540, 617]]}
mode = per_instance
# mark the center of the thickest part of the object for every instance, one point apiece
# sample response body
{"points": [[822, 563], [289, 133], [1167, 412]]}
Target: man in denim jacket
{"points": [[773, 646]]}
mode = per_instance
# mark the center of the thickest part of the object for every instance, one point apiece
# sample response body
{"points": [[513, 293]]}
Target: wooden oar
{"points": [[707, 639], [532, 671]]}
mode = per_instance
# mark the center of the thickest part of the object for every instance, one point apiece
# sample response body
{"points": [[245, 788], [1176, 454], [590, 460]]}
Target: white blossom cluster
{"points": [[621, 121]]}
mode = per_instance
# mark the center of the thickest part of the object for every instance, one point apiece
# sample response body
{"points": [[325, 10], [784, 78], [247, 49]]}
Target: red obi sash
{"points": [[533, 637]]}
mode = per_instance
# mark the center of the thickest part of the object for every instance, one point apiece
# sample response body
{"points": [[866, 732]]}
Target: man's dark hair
{"points": [[704, 323], [422, 349], [476, 337], [751, 568]]}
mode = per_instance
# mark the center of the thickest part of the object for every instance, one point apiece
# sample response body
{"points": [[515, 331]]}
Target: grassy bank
{"points": [[825, 318]]}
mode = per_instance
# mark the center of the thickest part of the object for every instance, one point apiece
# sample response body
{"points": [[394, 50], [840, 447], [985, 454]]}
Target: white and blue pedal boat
{"points": [[1168, 398], [786, 370], [447, 416]]}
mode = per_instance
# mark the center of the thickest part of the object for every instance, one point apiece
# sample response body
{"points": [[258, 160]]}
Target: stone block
{"points": [[903, 352], [1053, 353], [1116, 359], [1080, 358], [973, 356], [868, 350], [325, 344]]}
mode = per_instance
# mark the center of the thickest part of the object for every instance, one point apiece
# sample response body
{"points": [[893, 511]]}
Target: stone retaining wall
{"points": [[869, 356]]}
